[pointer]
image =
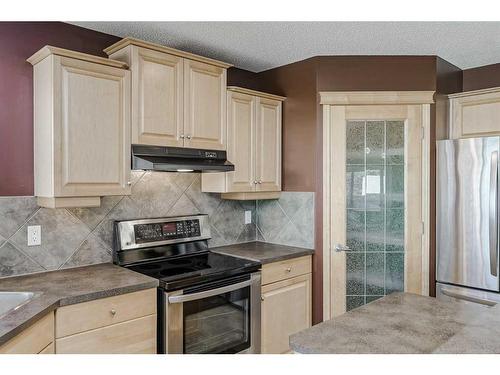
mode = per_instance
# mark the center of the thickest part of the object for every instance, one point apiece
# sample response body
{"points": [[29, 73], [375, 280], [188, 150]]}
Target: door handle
{"points": [[465, 297], [208, 293], [338, 247], [493, 210]]}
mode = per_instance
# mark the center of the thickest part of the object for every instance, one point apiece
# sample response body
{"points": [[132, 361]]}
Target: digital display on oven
{"points": [[169, 228], [154, 232]]}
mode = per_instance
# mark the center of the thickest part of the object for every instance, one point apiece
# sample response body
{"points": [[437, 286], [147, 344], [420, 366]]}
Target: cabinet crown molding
{"points": [[45, 51], [158, 47], [376, 97], [474, 92], [261, 94]]}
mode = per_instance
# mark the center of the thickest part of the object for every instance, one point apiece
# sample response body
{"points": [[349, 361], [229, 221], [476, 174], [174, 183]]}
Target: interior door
{"points": [[204, 106], [376, 204], [268, 145]]}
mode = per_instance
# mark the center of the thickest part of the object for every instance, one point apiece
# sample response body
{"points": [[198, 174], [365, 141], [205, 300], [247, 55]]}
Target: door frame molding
{"points": [[329, 100]]}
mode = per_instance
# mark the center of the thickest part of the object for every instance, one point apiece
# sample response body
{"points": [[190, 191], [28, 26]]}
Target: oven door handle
{"points": [[208, 293]]}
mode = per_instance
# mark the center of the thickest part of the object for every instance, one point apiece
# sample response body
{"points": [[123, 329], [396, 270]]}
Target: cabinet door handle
{"points": [[129, 183], [188, 137], [259, 182], [255, 182], [182, 136], [113, 312], [289, 269]]}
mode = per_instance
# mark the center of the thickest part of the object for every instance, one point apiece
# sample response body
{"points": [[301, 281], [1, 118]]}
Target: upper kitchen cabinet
{"points": [[204, 105], [253, 146], [178, 98], [81, 128], [474, 113], [268, 144]]}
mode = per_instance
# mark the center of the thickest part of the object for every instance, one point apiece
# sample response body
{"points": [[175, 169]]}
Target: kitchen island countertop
{"points": [[405, 323], [54, 289]]}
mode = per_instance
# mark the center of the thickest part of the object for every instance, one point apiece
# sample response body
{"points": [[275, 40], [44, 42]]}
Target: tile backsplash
{"points": [[288, 220], [83, 236]]}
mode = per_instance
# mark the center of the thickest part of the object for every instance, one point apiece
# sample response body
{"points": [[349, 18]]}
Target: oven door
{"points": [[217, 317]]}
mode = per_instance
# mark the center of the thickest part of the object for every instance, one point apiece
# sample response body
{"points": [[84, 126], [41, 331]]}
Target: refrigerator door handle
{"points": [[465, 297], [493, 227]]}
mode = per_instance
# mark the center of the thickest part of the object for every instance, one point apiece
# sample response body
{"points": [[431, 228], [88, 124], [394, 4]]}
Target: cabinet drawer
{"points": [[136, 336], [33, 339], [103, 312], [285, 269]]}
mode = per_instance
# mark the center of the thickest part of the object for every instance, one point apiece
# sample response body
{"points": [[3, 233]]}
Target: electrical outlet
{"points": [[248, 217], [34, 235]]}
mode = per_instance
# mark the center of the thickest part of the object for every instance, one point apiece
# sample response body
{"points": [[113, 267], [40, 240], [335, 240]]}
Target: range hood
{"points": [[178, 159]]}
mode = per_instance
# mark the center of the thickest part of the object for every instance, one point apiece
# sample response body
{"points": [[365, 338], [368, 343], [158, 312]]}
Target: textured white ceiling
{"points": [[258, 46]]}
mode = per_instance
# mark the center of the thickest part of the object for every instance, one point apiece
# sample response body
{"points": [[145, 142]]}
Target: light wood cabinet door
{"points": [[157, 98], [103, 312], [475, 114], [137, 336], [286, 309], [204, 106], [91, 129], [241, 141], [268, 145], [32, 340], [286, 269]]}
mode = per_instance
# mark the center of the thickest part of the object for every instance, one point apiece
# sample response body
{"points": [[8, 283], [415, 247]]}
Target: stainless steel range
{"points": [[207, 302]]}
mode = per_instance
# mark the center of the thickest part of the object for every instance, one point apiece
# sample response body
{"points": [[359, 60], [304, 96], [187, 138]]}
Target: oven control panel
{"points": [[154, 232], [142, 233]]}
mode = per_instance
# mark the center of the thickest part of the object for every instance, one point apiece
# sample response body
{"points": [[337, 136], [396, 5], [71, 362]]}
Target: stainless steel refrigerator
{"points": [[467, 220]]}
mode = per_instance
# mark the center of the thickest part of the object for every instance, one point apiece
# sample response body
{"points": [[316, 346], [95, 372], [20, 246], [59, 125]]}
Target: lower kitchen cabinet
{"points": [[37, 339], [137, 336], [124, 324], [286, 303]]}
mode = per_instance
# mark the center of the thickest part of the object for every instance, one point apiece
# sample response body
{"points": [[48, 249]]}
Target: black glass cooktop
{"points": [[189, 270]]}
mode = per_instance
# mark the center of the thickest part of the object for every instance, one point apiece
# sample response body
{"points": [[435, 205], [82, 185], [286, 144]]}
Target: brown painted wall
{"points": [[19, 40], [302, 119], [376, 73], [482, 77], [448, 80], [362, 73], [300, 82], [243, 78]]}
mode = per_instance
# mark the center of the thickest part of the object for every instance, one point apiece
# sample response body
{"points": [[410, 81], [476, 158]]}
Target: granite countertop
{"points": [[262, 252], [66, 287], [405, 323]]}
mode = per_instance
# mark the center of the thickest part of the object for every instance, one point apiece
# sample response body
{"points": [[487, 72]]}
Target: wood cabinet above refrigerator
{"points": [[178, 98], [253, 146], [81, 128], [474, 114]]}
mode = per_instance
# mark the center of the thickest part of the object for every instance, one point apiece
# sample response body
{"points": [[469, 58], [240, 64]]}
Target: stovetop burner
{"points": [[174, 250], [189, 270]]}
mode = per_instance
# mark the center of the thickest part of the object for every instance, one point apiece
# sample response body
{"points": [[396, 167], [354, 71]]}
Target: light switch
{"points": [[248, 217], [34, 235]]}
